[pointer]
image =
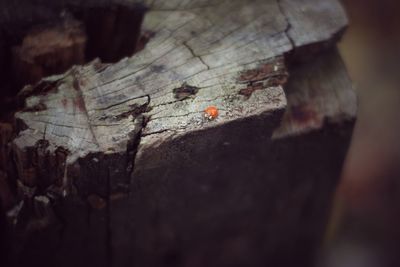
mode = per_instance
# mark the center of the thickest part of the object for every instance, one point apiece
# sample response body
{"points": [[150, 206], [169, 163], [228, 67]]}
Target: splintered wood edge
{"points": [[319, 92], [230, 52]]}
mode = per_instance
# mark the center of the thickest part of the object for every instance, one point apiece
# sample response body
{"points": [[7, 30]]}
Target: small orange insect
{"points": [[211, 112]]}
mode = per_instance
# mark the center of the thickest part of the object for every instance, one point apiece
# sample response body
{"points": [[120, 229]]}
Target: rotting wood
{"points": [[91, 136]]}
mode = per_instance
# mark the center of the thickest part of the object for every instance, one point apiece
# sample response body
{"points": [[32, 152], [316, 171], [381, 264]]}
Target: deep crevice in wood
{"points": [[113, 31]]}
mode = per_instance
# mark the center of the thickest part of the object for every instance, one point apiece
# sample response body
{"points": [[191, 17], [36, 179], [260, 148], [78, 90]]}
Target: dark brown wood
{"points": [[49, 50]]}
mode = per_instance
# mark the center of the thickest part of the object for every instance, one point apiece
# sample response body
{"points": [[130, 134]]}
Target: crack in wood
{"points": [[82, 105], [288, 25], [217, 53], [196, 56]]}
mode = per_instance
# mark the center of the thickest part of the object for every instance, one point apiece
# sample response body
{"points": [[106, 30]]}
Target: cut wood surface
{"points": [[122, 147], [220, 48]]}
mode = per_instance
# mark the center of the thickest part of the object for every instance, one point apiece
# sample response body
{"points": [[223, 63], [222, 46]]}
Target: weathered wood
{"points": [[129, 171], [97, 108], [310, 21]]}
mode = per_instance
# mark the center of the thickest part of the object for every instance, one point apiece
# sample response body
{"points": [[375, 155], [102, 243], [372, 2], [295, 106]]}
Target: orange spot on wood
{"points": [[211, 112]]}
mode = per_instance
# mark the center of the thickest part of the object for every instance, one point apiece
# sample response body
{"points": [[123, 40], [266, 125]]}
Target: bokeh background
{"points": [[365, 224]]}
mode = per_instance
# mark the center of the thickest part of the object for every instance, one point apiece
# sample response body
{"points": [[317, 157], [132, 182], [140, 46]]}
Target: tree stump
{"points": [[116, 164]]}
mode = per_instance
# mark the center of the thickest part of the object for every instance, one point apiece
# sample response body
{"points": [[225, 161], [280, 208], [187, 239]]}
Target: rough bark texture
{"points": [[116, 165]]}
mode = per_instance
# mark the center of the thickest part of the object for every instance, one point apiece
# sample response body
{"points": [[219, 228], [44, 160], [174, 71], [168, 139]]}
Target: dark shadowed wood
{"points": [[49, 50]]}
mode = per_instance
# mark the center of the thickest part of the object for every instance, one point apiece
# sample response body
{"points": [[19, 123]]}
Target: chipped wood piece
{"points": [[317, 93]]}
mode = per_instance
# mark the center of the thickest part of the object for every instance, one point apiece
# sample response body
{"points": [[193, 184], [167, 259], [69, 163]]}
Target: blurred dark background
{"points": [[364, 227]]}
